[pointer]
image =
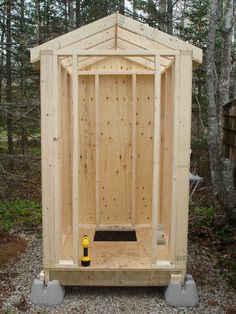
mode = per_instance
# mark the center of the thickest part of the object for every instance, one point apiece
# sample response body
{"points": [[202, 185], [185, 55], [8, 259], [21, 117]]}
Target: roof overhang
{"points": [[117, 32]]}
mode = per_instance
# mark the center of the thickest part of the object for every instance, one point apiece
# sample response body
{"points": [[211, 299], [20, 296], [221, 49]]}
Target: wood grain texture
{"points": [[166, 150], [115, 138], [87, 176], [65, 155], [116, 158], [156, 157], [184, 141], [46, 80], [142, 278], [75, 158], [144, 148]]}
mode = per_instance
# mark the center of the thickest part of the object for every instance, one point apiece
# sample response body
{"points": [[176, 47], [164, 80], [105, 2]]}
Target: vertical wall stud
{"points": [[176, 104], [75, 158], [156, 156], [56, 154], [133, 189], [97, 149]]}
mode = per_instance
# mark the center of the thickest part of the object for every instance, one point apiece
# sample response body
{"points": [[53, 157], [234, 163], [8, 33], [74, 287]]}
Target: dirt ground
{"points": [[20, 178], [11, 247]]}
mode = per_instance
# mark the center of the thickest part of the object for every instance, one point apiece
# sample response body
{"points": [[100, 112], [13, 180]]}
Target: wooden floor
{"points": [[120, 255]]}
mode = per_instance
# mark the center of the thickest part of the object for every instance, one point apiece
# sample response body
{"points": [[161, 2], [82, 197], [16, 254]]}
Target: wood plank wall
{"points": [[229, 139]]}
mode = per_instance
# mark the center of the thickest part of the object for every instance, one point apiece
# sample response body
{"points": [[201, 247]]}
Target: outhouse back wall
{"points": [[115, 149]]}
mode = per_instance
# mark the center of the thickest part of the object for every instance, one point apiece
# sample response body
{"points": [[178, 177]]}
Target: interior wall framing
{"points": [[75, 164]]}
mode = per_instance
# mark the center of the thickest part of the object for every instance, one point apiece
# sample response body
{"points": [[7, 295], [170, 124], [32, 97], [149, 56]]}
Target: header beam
{"points": [[138, 53]]}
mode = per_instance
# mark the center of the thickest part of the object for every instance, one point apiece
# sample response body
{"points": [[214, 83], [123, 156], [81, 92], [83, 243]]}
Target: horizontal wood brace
{"points": [[115, 227], [66, 264], [229, 116], [230, 130], [116, 73], [228, 144], [69, 52], [129, 277]]}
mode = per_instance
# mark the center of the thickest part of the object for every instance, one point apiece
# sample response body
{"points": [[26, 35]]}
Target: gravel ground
{"points": [[16, 279]]}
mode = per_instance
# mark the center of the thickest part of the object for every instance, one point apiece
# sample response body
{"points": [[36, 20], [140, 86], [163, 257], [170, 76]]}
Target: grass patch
{"points": [[24, 214], [10, 310], [207, 212], [32, 144], [34, 151]]}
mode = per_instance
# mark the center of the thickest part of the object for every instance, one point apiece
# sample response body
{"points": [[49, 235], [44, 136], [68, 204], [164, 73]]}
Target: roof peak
{"points": [[98, 32]]}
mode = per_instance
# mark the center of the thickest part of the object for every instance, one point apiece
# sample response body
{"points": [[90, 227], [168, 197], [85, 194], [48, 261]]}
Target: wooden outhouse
{"points": [[116, 118]]}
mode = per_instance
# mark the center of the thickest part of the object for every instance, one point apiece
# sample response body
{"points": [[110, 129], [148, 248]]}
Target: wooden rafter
{"points": [[95, 41], [159, 37], [117, 27], [122, 44], [138, 40], [74, 36]]}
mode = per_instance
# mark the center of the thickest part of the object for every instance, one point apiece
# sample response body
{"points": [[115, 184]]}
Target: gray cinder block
{"points": [[186, 295], [52, 294]]}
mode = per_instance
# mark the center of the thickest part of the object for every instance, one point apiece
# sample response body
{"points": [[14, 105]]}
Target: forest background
{"points": [[207, 24]]}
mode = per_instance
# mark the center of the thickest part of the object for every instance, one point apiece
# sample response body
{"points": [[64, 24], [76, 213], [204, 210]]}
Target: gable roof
{"points": [[116, 31]]}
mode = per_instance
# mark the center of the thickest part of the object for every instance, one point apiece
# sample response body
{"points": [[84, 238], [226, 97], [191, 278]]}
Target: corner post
{"points": [[46, 86], [183, 161]]}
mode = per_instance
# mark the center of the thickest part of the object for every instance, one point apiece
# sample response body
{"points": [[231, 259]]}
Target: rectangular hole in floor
{"points": [[115, 235]]}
